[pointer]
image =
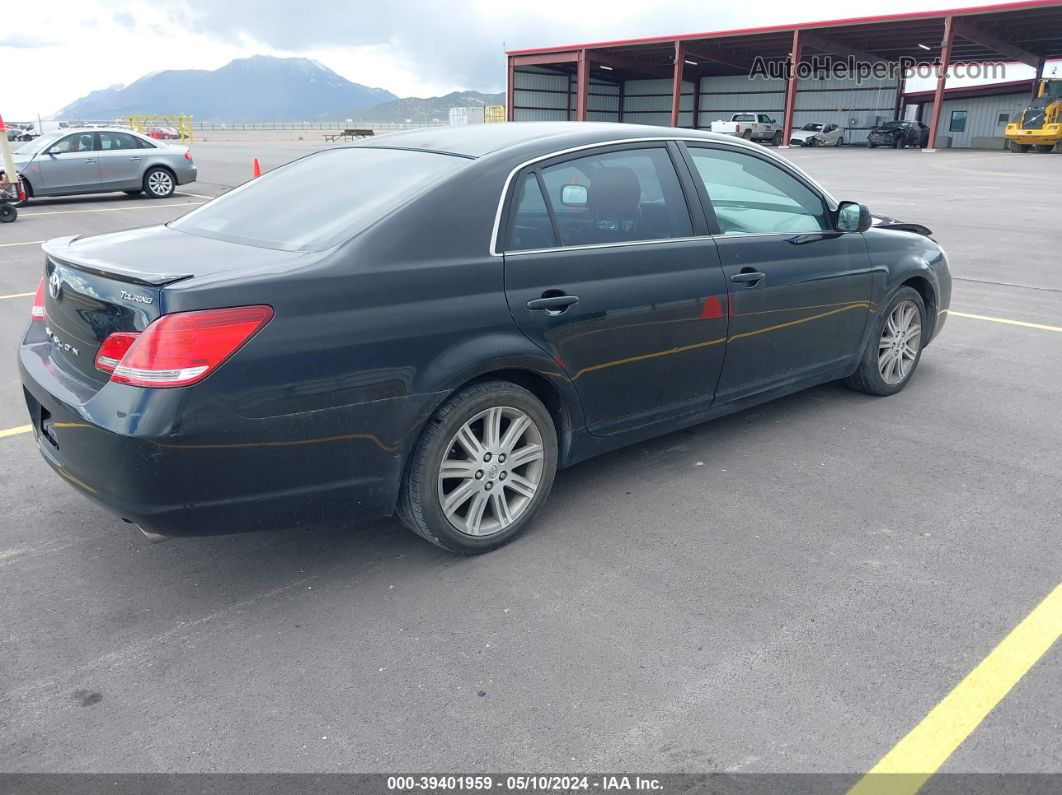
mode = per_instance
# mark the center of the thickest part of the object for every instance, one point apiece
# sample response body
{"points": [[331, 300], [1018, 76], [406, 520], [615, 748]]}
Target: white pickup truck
{"points": [[751, 127]]}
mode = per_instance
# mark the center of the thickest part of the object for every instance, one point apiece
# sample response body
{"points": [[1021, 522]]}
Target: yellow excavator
{"points": [[1041, 123]]}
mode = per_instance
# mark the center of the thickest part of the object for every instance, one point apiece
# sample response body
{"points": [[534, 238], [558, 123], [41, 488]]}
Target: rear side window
{"points": [[531, 226], [617, 197], [744, 117], [752, 196], [110, 141], [321, 200]]}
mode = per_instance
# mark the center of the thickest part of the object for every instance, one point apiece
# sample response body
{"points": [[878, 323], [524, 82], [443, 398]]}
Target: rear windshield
{"points": [[320, 200], [744, 117]]}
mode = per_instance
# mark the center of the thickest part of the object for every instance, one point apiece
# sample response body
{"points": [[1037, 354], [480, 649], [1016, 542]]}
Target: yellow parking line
{"points": [[26, 243], [16, 431], [113, 209], [16, 295], [928, 745], [1007, 321]]}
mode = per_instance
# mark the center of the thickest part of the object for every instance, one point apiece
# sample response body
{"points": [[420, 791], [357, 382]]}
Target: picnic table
{"points": [[350, 134]]}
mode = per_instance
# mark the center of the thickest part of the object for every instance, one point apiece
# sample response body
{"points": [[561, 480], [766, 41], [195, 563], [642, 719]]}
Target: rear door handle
{"points": [[748, 277], [89, 162], [134, 159], [553, 304]]}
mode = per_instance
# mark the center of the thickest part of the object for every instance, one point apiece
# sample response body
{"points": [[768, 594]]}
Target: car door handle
{"points": [[89, 162], [553, 304], [748, 277], [134, 160]]}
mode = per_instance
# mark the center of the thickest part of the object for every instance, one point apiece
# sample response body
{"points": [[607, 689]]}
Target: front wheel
{"points": [[481, 470], [840, 142], [895, 346], [873, 146], [159, 183], [898, 144]]}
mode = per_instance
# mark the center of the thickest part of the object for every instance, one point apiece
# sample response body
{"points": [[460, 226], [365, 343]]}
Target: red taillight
{"points": [[187, 154], [182, 348], [37, 312], [113, 349]]}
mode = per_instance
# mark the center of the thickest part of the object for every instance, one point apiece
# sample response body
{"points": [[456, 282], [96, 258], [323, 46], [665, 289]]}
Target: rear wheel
{"points": [[159, 183], [482, 469], [895, 346], [872, 145], [1044, 148], [840, 142], [7, 213], [898, 144], [747, 135], [777, 139]]}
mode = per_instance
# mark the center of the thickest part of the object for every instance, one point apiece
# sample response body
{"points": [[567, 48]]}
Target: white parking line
{"points": [[112, 209], [25, 243]]}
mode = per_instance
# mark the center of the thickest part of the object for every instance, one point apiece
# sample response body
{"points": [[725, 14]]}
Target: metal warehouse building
{"points": [[974, 116], [691, 80]]}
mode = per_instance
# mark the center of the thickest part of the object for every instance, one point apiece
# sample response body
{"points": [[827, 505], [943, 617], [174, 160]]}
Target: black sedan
{"points": [[899, 134], [448, 317]]}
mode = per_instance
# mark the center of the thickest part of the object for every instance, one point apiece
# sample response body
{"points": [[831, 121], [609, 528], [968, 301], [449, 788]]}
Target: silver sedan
{"points": [[102, 160]]}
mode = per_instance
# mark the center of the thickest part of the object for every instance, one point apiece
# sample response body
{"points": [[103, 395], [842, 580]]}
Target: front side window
{"points": [[80, 142], [340, 192], [958, 121], [617, 197], [752, 196], [109, 141]]}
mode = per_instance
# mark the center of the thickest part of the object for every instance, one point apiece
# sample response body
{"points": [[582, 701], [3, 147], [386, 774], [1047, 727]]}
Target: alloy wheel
{"points": [[491, 471], [160, 183], [900, 342]]}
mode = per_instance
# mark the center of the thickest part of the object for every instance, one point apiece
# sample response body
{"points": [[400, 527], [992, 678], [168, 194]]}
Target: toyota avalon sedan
{"points": [[450, 316], [104, 160]]}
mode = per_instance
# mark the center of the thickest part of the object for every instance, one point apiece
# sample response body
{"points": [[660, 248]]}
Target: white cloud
{"points": [[65, 48]]}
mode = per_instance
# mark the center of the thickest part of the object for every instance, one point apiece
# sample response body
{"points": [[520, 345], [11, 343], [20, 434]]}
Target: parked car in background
{"points": [[570, 288], [817, 134], [163, 133], [751, 127], [100, 161], [899, 134]]}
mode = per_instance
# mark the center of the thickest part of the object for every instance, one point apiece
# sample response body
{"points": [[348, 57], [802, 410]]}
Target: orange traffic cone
{"points": [[256, 170]]}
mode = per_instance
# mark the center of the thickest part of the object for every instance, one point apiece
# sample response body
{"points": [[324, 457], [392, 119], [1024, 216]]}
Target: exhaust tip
{"points": [[154, 538]]}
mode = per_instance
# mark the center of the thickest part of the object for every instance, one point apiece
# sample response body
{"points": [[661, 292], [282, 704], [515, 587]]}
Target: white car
{"points": [[817, 134], [751, 127]]}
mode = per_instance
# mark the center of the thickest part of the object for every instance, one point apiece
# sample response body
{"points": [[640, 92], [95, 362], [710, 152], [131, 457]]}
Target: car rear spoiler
{"points": [[59, 251]]}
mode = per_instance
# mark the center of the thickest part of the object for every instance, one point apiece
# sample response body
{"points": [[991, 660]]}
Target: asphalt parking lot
{"points": [[790, 589]]}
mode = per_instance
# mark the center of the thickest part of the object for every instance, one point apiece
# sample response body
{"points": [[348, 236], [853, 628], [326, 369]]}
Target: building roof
{"points": [[972, 92], [985, 33]]}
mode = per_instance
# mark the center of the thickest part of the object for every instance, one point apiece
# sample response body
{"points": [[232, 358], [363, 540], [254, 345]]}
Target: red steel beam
{"points": [[791, 88], [510, 92], [676, 84], [582, 87], [942, 77], [546, 58]]}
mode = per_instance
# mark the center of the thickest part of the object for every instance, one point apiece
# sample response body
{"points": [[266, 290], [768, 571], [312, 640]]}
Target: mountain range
{"points": [[259, 88]]}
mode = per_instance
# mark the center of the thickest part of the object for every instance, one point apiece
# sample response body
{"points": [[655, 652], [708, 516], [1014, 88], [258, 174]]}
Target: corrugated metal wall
{"points": [[984, 130], [649, 102], [547, 95], [542, 95]]}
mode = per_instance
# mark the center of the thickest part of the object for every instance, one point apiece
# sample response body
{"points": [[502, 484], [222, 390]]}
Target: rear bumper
{"points": [[186, 174], [180, 466]]}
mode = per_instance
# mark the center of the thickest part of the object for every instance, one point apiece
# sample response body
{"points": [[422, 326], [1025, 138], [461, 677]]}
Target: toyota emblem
{"points": [[53, 285]]}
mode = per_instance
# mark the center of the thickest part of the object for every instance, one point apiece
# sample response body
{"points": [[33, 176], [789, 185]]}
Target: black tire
{"points": [[898, 143], [776, 140], [867, 378], [1044, 148], [1016, 147], [747, 135], [872, 146], [8, 213], [840, 142], [419, 506], [133, 192], [159, 183]]}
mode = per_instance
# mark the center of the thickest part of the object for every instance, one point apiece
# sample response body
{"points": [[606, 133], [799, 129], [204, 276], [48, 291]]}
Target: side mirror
{"points": [[853, 217], [574, 195]]}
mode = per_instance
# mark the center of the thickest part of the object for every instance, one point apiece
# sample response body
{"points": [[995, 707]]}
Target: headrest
{"points": [[614, 191]]}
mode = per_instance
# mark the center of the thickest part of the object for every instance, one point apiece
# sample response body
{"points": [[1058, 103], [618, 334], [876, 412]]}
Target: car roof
{"points": [[478, 140]]}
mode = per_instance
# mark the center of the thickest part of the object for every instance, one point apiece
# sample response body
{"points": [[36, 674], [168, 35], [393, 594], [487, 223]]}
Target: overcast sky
{"points": [[58, 50]]}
